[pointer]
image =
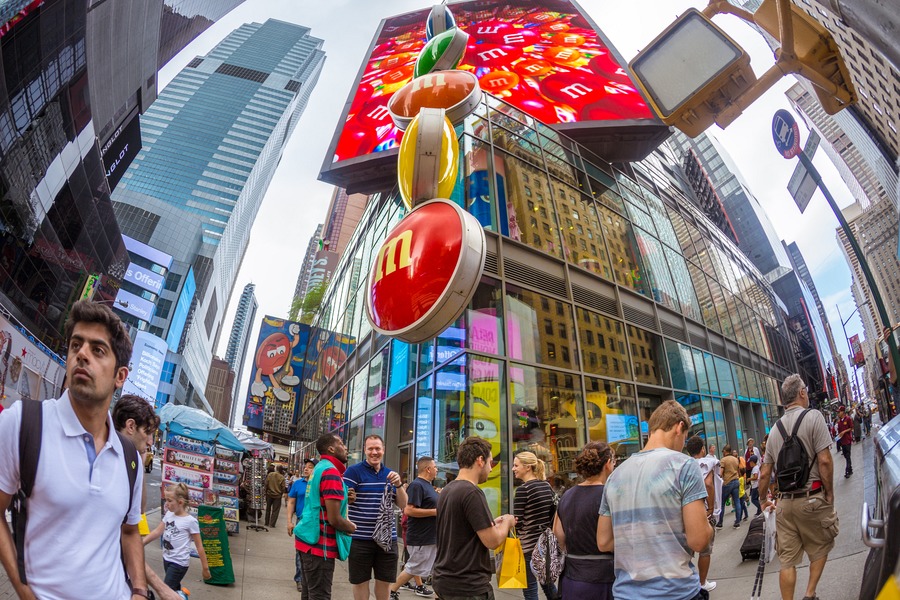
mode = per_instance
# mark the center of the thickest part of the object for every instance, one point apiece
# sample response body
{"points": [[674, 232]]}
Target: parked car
{"points": [[148, 462], [881, 524]]}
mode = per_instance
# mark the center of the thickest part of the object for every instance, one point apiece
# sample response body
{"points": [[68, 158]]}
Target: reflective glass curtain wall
{"points": [[596, 305]]}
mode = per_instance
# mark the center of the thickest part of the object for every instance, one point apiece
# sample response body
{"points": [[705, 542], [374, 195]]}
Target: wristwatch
{"points": [[141, 592]]}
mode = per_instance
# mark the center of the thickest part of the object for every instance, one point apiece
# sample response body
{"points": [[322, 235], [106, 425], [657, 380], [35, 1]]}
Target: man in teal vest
{"points": [[323, 533]]}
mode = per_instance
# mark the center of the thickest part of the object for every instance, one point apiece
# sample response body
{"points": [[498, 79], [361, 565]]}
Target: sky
{"points": [[296, 201]]}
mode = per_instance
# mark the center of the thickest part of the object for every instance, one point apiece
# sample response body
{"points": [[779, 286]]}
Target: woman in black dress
{"points": [[588, 573]]}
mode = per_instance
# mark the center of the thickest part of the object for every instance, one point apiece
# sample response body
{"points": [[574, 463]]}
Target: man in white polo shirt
{"points": [[78, 532]]}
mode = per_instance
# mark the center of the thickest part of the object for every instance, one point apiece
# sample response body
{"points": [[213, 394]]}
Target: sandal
{"points": [[811, 598]]}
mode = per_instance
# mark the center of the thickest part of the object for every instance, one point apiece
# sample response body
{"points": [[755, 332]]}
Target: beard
{"points": [[88, 393]]}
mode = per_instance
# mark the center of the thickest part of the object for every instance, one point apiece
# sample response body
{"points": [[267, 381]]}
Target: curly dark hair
{"points": [[130, 406], [592, 459], [694, 445]]}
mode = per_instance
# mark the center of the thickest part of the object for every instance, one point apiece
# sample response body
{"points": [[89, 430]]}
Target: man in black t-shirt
{"points": [[465, 530], [421, 528]]}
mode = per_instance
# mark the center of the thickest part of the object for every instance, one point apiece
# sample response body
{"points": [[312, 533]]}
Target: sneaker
{"points": [[737, 525], [395, 595], [409, 585], [709, 585], [424, 591], [719, 526]]}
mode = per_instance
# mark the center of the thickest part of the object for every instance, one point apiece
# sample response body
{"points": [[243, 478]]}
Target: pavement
{"points": [[263, 561]]}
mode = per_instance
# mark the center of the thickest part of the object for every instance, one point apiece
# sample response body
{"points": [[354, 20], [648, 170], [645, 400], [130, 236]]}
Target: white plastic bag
{"points": [[769, 543]]}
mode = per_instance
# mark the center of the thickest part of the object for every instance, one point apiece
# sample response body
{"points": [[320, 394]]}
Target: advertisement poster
{"points": [[28, 370], [215, 543], [541, 56], [190, 478], [147, 357], [179, 442], [323, 359], [188, 460], [275, 380]]}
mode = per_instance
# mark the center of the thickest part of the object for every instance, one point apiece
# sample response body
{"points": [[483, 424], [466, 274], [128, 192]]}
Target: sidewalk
{"points": [[263, 561]]}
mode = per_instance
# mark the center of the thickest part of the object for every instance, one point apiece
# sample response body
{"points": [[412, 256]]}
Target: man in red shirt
{"points": [[845, 437], [318, 560]]}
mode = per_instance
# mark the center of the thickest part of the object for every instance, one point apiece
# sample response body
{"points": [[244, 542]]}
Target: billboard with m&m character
{"points": [[544, 57]]}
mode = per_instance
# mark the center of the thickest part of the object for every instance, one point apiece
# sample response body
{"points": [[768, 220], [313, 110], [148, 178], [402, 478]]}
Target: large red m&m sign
{"points": [[425, 272]]}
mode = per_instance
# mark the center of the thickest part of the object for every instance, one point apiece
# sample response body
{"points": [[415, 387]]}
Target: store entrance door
{"points": [[405, 465]]}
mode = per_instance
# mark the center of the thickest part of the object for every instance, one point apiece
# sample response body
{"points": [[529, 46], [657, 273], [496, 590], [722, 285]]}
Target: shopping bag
{"points": [[511, 565], [890, 591], [741, 490]]}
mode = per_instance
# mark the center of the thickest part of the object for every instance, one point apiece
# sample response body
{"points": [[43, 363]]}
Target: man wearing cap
{"points": [[845, 437], [296, 496]]}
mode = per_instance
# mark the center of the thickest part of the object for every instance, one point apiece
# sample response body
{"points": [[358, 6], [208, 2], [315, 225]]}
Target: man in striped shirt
{"points": [[318, 561], [367, 481]]}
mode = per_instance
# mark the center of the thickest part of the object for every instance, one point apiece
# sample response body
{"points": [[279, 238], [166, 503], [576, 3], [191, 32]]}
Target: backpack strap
{"points": [[129, 452], [797, 423], [30, 431]]}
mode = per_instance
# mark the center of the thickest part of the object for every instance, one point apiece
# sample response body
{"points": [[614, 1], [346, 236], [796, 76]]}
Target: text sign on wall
{"points": [[121, 148], [147, 357], [144, 278]]}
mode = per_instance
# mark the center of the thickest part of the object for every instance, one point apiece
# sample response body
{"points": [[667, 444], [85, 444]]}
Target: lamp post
{"points": [[849, 346]]}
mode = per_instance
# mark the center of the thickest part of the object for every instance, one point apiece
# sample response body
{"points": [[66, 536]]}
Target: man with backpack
{"points": [[799, 449], [78, 479]]}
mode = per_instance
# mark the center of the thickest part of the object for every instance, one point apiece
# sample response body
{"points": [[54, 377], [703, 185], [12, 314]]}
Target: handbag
{"points": [[383, 535], [547, 560], [511, 564]]}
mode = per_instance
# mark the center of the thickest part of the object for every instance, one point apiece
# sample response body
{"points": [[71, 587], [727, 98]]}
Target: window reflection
{"points": [[611, 415], [378, 373], [547, 417], [582, 234], [647, 354], [623, 253], [355, 437], [539, 329], [602, 345], [529, 201]]}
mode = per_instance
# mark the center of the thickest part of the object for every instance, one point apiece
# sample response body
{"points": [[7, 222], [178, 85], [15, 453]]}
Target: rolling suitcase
{"points": [[756, 534]]}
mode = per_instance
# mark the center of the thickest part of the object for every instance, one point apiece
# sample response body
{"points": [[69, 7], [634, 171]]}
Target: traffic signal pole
{"points": [[863, 263]]}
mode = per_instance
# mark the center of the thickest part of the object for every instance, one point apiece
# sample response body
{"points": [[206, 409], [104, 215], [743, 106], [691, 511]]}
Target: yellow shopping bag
{"points": [[143, 526], [742, 490], [890, 591], [511, 564]]}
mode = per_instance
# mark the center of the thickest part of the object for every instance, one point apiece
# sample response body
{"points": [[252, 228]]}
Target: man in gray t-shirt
{"points": [[654, 506], [805, 519]]}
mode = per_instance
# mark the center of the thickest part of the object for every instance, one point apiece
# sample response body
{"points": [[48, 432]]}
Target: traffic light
{"points": [[693, 74]]}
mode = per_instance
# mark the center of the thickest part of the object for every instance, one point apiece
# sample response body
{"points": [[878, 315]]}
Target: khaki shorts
{"points": [[804, 524]]}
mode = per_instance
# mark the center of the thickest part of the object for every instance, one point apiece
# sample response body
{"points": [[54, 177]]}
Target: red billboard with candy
{"points": [[544, 57]]}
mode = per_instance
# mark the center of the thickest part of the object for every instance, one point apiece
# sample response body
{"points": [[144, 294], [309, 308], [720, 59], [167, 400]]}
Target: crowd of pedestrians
{"points": [[643, 529]]}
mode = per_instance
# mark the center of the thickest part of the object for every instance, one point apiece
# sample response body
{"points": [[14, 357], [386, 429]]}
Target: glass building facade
{"points": [[210, 146], [57, 227], [605, 292]]}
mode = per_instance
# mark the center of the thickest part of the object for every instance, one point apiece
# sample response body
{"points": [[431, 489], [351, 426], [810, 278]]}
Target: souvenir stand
{"points": [[255, 475], [205, 455]]}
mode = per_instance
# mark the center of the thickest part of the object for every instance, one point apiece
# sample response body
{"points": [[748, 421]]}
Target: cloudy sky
{"points": [[296, 201]]}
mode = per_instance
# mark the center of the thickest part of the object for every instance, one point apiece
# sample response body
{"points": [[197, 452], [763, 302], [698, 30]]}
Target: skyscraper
{"points": [[240, 338], [303, 277], [211, 143], [184, 20]]}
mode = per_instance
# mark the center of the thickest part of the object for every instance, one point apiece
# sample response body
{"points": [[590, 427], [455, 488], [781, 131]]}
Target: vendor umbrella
{"points": [[196, 424]]}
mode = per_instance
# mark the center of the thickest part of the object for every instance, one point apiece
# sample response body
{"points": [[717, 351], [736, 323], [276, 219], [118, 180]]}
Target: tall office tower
{"points": [[343, 216], [717, 187], [220, 389], [799, 264], [875, 229], [308, 258], [211, 143], [184, 20], [735, 210], [239, 340], [864, 167]]}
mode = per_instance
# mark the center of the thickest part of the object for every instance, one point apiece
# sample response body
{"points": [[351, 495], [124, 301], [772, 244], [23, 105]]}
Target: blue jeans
{"points": [[732, 490], [531, 592], [174, 575], [298, 570]]}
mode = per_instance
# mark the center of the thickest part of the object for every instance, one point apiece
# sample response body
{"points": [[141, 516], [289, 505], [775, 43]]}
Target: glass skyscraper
{"points": [[210, 145]]}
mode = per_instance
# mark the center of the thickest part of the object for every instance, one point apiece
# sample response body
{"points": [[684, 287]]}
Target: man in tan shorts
{"points": [[806, 520]]}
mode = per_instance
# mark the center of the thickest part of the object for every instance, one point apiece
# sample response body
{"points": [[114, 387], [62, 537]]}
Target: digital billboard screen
{"points": [[544, 57]]}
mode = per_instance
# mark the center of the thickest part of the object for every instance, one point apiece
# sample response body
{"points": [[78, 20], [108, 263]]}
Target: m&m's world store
{"points": [[527, 268]]}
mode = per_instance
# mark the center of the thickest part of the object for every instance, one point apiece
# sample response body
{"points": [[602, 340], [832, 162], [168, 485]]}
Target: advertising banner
{"points": [[858, 358], [542, 56], [275, 383], [189, 460], [173, 474], [149, 252], [147, 357], [135, 306], [179, 442], [28, 369], [121, 148], [323, 359], [144, 278], [215, 543]]}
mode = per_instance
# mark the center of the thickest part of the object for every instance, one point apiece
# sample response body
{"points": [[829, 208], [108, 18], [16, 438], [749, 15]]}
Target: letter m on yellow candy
{"points": [[394, 255]]}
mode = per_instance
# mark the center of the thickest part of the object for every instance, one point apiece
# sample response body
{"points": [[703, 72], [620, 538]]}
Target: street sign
{"points": [[802, 186], [786, 133]]}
